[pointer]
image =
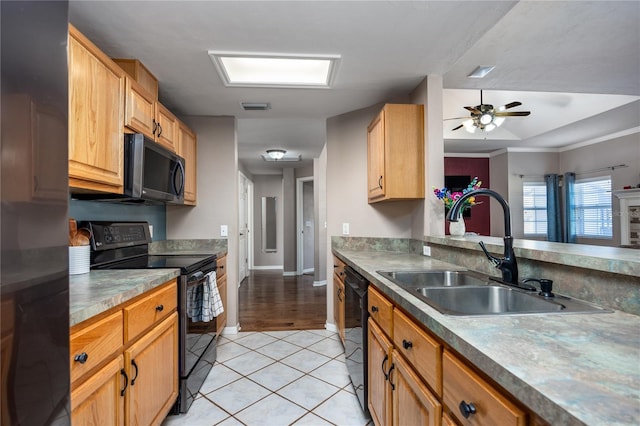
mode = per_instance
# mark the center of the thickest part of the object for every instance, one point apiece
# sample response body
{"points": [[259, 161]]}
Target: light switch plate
{"points": [[224, 231], [345, 229], [426, 250], [151, 231]]}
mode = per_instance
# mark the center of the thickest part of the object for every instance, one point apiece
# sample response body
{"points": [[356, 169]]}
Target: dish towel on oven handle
{"points": [[204, 302]]}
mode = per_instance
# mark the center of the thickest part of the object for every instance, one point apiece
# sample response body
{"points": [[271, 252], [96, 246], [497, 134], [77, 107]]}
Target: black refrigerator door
{"points": [[34, 310]]}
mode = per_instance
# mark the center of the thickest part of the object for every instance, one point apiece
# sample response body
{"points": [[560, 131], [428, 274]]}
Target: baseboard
{"points": [[330, 327], [268, 267], [308, 271], [319, 283], [289, 274], [231, 330]]}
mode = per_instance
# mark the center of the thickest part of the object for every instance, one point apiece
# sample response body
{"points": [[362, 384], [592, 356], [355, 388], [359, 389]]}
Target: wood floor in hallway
{"points": [[270, 302]]}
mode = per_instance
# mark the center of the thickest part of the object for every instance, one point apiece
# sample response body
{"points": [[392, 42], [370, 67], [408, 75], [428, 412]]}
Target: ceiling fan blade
{"points": [[473, 110], [512, 104], [458, 127], [456, 118], [513, 114]]}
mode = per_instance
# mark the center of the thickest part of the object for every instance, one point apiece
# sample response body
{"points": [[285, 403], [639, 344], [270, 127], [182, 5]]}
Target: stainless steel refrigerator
{"points": [[34, 310]]}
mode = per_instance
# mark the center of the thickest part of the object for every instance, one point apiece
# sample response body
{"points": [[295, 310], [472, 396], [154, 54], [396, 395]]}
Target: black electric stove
{"points": [[125, 245]]}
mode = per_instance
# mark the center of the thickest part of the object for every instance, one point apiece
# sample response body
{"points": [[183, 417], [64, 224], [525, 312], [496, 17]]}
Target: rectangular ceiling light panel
{"points": [[252, 70]]}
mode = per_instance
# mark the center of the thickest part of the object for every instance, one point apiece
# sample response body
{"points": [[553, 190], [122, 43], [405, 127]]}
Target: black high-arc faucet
{"points": [[507, 264]]}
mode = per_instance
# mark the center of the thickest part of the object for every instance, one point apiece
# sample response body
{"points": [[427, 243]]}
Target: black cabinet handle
{"points": [[81, 358], [340, 295], [407, 344], [126, 381], [380, 182], [384, 361], [133, 381], [159, 130], [467, 409], [374, 309], [393, 387], [155, 126], [159, 308]]}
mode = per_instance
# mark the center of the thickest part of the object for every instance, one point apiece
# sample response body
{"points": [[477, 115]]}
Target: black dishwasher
{"points": [[355, 332]]}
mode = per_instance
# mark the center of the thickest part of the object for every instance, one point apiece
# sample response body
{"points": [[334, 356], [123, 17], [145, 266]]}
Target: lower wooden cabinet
{"points": [[379, 360], [338, 305], [126, 380], [153, 374], [100, 399], [221, 320]]}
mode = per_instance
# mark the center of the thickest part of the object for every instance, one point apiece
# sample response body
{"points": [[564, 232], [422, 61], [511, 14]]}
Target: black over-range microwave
{"points": [[152, 174]]}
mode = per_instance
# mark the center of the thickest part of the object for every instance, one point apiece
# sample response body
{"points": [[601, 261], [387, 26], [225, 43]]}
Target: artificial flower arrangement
{"points": [[448, 197]]}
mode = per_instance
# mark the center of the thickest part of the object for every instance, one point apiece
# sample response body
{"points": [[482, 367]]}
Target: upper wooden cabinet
{"points": [[140, 74], [96, 117], [395, 154], [188, 149], [166, 127]]}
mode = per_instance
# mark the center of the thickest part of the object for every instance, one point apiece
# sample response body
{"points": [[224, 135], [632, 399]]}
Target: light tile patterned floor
{"points": [[276, 378]]}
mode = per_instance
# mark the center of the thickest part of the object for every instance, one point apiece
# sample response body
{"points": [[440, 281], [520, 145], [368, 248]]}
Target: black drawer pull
{"points": [[384, 361], [393, 387], [467, 409], [407, 344], [133, 381], [374, 309], [81, 358], [159, 308], [126, 381]]}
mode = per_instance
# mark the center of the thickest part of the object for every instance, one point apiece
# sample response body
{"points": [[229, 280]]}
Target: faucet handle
{"points": [[491, 258]]}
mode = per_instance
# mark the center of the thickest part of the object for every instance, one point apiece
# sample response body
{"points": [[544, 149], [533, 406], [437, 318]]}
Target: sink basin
{"points": [[433, 278], [498, 300]]}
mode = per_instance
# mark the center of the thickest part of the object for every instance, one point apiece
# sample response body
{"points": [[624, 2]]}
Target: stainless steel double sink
{"points": [[466, 293]]}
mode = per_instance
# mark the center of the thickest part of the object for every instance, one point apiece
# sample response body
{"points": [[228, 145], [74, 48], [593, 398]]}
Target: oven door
{"points": [[195, 336]]}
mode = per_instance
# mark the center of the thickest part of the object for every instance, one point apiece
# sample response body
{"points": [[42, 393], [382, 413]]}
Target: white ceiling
{"points": [[551, 56]]}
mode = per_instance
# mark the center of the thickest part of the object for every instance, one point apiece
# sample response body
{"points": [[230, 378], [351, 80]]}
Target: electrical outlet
{"points": [[345, 229], [151, 231], [426, 250], [224, 231]]}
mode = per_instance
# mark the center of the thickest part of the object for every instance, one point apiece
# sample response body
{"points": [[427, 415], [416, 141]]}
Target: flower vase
{"points": [[457, 229]]}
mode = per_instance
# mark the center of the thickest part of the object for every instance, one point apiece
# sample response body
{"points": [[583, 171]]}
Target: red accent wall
{"points": [[480, 220]]}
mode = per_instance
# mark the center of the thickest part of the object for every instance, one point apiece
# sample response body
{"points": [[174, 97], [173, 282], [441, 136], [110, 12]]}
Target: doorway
{"points": [[245, 219], [305, 226]]}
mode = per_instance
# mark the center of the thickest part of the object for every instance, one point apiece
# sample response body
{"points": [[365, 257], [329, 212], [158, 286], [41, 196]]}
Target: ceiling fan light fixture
{"points": [[276, 154], [486, 118], [498, 121], [489, 127], [481, 71]]}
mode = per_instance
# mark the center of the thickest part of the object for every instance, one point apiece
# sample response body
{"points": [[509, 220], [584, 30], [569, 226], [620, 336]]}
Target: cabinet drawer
{"points": [[157, 305], [422, 351], [221, 267], [381, 310], [338, 267], [94, 343], [491, 407]]}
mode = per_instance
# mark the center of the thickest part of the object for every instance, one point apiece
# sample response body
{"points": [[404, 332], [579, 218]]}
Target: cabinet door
{"points": [[221, 320], [152, 367], [379, 359], [139, 109], [187, 149], [375, 157], [96, 117], [167, 127], [413, 403], [100, 399], [338, 305]]}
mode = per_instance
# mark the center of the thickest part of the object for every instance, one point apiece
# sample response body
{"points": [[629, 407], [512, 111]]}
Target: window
{"points": [[592, 208], [534, 208]]}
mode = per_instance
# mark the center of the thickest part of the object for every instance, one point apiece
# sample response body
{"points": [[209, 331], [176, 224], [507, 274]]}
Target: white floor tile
{"points": [[328, 347], [201, 413], [231, 421], [238, 395], [255, 340], [308, 392], [219, 376], [323, 332], [305, 360], [303, 338], [275, 376], [238, 335], [312, 420], [273, 410], [334, 372], [229, 351], [279, 349], [342, 409], [248, 363], [281, 333]]}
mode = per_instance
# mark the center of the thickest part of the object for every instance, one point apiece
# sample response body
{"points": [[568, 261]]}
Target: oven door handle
{"points": [[196, 279]]}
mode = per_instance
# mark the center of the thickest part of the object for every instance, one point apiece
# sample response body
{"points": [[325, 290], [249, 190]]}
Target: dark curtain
{"points": [[554, 217], [569, 211]]}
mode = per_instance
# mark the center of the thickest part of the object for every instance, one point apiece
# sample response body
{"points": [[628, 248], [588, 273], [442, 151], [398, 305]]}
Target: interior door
{"points": [[243, 220]]}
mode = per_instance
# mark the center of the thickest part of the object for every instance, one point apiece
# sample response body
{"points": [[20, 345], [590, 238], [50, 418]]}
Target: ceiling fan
{"points": [[486, 118]]}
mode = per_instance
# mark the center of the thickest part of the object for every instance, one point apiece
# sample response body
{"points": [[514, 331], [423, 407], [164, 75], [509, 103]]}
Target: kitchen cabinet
{"points": [[124, 362], [221, 279], [398, 394], [395, 154], [414, 379], [187, 149], [96, 118], [338, 297]]}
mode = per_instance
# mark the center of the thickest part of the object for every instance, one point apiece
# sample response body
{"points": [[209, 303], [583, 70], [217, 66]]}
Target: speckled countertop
{"points": [[98, 291], [568, 368]]}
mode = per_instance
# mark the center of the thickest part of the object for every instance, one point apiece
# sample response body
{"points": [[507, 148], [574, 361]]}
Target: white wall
{"points": [[267, 186], [217, 197]]}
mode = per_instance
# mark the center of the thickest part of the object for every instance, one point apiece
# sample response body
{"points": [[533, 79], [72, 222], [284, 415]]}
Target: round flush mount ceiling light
{"points": [[276, 154]]}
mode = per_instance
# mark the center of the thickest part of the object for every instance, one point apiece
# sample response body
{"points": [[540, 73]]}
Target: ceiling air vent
{"points": [[255, 106]]}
